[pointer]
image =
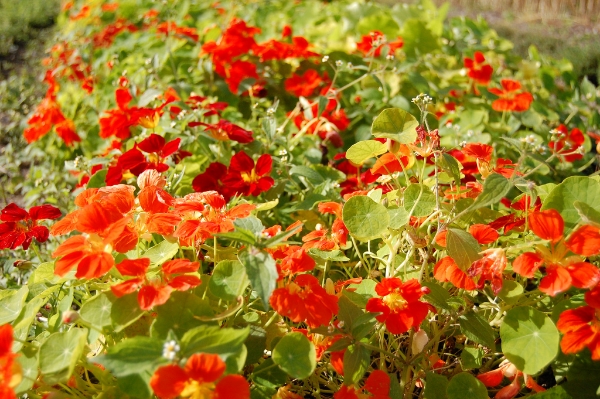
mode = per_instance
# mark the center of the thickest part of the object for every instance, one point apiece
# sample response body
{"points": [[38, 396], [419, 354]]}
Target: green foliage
{"points": [[529, 339]]}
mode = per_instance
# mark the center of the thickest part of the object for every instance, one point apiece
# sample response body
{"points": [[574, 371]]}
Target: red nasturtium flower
{"points": [[202, 377], [304, 300], [19, 227], [581, 326], [225, 130], [377, 384], [10, 371], [154, 292], [200, 222], [172, 29], [399, 304], [248, 178], [562, 271], [303, 85], [106, 224], [507, 369], [373, 43], [339, 232], [49, 114], [511, 97], [117, 122], [567, 142], [479, 71]]}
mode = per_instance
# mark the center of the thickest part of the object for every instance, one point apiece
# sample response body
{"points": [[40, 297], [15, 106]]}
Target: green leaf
{"points": [[588, 214], [464, 385], [229, 280], [511, 291], [28, 360], [256, 344], [438, 296], [59, 354], [470, 358], [148, 96], [180, 313], [97, 310], [296, 355], [44, 273], [22, 324], [133, 356], [419, 201], [359, 152], [477, 329], [348, 311], [572, 189], [268, 376], [364, 218], [583, 377], [529, 339], [125, 311], [98, 179], [558, 392], [418, 40], [250, 223], [136, 385], [495, 187], [311, 175], [462, 247], [395, 124], [356, 362], [162, 252], [452, 166], [212, 339], [262, 272], [399, 217], [435, 386], [12, 304]]}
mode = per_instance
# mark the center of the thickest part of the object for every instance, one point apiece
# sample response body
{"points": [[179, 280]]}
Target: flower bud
{"points": [[419, 341], [70, 316]]}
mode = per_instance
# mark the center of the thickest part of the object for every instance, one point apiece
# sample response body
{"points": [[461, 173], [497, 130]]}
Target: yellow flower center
{"points": [[251, 177], [97, 244], [196, 390], [395, 301]]}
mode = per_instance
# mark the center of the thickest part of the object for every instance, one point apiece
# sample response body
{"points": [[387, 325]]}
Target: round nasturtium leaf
{"points": [[395, 124], [511, 291], [229, 280], [464, 385], [419, 199], [364, 218], [529, 339], [359, 152], [296, 355], [563, 197]]}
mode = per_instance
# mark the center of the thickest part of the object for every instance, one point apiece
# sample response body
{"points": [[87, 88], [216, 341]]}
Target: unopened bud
{"points": [[419, 341], [70, 316]]}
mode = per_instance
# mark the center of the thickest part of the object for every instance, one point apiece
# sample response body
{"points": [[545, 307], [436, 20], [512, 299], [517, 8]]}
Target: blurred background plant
{"points": [[558, 28], [25, 28]]}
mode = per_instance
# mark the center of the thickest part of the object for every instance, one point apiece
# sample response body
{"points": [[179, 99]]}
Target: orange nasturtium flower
{"points": [[511, 97], [154, 292], [201, 378], [377, 384], [479, 71], [10, 371], [581, 326], [399, 304], [562, 271]]}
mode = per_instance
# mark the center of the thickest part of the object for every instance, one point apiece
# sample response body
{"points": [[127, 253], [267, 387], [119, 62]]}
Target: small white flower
{"points": [[325, 58], [170, 350], [339, 63]]}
